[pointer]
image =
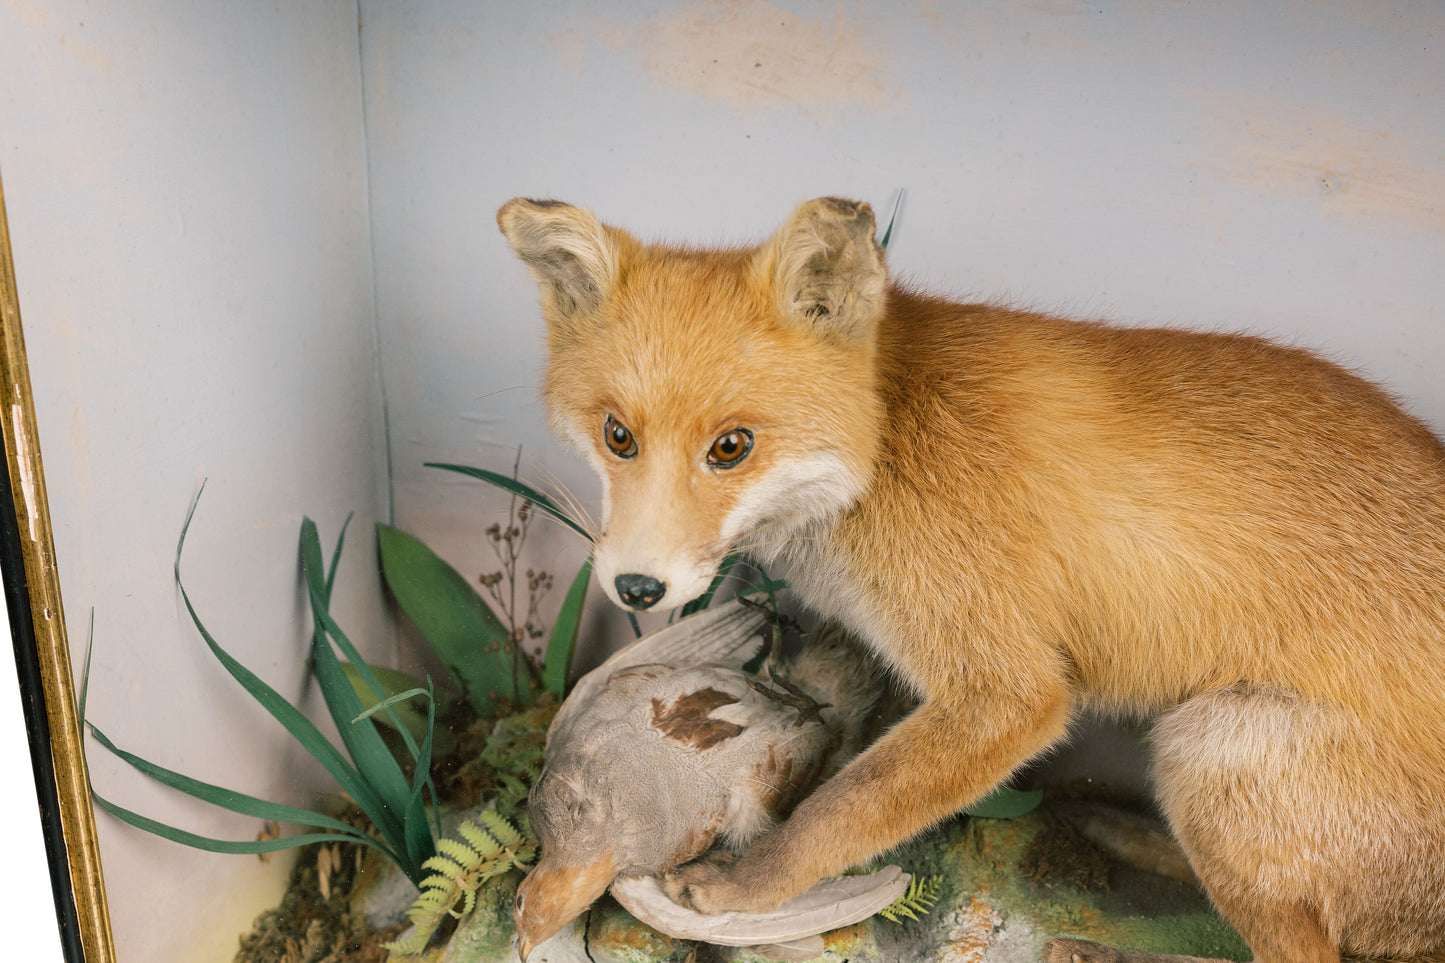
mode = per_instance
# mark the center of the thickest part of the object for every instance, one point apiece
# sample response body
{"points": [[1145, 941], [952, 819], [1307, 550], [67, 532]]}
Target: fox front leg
{"points": [[938, 760]]}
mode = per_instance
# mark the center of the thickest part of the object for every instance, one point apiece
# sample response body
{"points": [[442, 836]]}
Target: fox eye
{"points": [[618, 438], [730, 448]]}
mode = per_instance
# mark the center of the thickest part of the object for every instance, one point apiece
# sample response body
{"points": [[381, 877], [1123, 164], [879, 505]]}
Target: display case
{"points": [[254, 247]]}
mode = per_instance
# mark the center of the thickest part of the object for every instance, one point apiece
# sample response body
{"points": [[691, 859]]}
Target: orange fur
{"points": [[1024, 514]]}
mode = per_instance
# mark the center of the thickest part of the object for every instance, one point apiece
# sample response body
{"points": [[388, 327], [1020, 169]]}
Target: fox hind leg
{"points": [[1312, 833]]}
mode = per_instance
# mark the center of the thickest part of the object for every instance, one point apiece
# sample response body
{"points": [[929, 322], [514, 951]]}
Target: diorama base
{"points": [[1005, 888]]}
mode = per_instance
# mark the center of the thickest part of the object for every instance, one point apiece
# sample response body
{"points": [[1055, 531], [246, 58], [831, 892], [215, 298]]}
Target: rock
{"points": [[382, 893], [603, 934], [486, 935], [568, 945], [990, 910]]}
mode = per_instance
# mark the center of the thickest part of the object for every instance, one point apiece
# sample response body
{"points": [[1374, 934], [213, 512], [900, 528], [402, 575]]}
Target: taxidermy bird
{"points": [[671, 746]]}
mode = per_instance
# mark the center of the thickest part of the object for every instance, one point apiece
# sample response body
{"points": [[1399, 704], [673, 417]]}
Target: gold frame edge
{"points": [[32, 512]]}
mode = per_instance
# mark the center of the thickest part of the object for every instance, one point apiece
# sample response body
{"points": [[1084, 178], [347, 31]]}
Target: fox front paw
{"points": [[720, 883]]}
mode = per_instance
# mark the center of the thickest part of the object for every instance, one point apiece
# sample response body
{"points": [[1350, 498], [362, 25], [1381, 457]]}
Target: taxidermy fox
{"points": [[1024, 515]]}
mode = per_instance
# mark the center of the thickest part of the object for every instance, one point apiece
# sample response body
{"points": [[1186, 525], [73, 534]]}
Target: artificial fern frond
{"points": [[482, 840], [490, 845], [515, 752], [461, 853], [920, 896], [443, 876], [496, 827]]}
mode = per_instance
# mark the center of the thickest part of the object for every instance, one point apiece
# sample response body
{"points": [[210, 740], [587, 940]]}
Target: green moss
{"points": [[614, 931], [1198, 934], [983, 858], [487, 933]]}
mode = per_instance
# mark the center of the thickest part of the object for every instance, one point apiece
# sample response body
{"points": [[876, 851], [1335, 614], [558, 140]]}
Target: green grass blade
{"points": [[892, 219], [236, 802], [311, 568], [336, 558], [362, 731], [355, 667], [458, 625], [420, 840], [397, 691], [705, 599], [302, 729], [510, 484], [387, 703], [85, 671], [564, 633], [769, 652], [223, 798], [368, 675], [395, 685], [373, 759], [235, 846], [1005, 803], [368, 750]]}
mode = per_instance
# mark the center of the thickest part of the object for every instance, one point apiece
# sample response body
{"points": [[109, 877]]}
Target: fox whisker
{"points": [[563, 495]]}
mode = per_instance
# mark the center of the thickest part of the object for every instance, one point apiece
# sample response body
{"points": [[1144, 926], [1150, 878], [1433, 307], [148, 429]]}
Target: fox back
{"points": [[1124, 491]]}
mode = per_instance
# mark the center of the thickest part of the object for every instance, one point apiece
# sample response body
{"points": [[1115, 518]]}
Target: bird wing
{"points": [[833, 903], [726, 633]]}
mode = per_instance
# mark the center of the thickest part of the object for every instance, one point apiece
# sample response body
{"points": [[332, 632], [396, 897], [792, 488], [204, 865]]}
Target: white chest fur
{"points": [[818, 576]]}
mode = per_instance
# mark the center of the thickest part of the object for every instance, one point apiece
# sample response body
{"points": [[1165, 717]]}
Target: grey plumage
{"points": [[667, 748]]}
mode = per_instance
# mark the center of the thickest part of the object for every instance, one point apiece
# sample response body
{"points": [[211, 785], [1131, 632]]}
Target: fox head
{"points": [[726, 398]]}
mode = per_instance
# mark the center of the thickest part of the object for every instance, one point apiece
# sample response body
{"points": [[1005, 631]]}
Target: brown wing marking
{"points": [[686, 720]]}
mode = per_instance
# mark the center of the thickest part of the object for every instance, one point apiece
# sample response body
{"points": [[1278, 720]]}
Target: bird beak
{"points": [[554, 894]]}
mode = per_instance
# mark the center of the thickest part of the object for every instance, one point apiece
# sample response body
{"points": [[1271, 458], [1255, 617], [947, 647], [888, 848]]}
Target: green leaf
{"points": [[464, 633], [1005, 803], [564, 633], [85, 670], [510, 484], [236, 802]]}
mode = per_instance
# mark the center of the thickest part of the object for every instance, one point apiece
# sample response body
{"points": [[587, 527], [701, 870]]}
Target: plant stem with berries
{"points": [[507, 542]]}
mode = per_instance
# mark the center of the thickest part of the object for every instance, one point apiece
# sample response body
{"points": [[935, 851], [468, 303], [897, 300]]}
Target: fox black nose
{"points": [[639, 591]]}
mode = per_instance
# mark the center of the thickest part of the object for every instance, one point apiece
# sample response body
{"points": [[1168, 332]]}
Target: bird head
{"points": [[579, 842], [556, 893]]}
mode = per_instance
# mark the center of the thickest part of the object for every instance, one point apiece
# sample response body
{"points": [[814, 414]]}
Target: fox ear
{"points": [[570, 253], [827, 268]]}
